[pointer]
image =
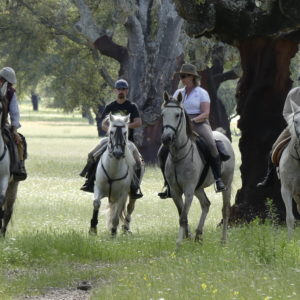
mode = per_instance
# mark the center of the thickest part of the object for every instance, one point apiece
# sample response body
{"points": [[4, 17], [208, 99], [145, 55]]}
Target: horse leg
{"points": [[116, 211], [226, 212], [129, 210], [290, 220], [183, 220], [11, 195], [205, 204], [97, 205]]}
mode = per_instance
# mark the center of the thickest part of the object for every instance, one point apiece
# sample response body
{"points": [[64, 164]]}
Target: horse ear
{"points": [[179, 97], [3, 89], [166, 97], [294, 106], [111, 117], [127, 119]]}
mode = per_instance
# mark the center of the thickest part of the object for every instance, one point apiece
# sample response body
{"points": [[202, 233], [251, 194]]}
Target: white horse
{"points": [[289, 169], [8, 187], [114, 174], [184, 167]]}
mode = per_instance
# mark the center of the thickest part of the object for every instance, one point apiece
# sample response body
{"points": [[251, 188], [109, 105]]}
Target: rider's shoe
{"points": [[20, 173], [268, 179], [220, 186], [88, 186], [135, 193], [165, 194]]}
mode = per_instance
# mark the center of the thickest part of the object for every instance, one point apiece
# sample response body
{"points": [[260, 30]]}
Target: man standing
{"points": [[121, 106]]}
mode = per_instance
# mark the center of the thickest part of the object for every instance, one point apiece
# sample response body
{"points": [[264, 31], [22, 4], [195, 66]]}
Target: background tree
{"points": [[266, 34]]}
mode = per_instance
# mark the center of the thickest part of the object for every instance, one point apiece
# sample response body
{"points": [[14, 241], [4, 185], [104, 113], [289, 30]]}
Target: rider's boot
{"points": [[268, 178], [89, 172], [216, 169], [135, 190], [19, 171]]}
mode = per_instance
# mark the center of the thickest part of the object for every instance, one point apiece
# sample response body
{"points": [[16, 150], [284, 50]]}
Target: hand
{"points": [[16, 136]]}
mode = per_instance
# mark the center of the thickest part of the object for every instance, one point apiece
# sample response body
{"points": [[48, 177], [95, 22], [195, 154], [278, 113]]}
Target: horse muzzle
{"points": [[118, 153], [167, 139]]}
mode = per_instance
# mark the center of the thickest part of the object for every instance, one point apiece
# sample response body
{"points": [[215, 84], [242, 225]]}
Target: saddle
{"points": [[206, 156], [278, 150]]}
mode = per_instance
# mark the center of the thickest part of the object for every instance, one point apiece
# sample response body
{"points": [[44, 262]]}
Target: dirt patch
{"points": [[60, 294]]}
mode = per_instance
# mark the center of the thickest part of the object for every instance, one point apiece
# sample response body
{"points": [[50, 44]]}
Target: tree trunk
{"points": [[261, 94]]}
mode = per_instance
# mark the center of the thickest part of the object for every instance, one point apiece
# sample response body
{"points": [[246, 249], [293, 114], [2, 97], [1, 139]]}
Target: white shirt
{"points": [[191, 103], [13, 111]]}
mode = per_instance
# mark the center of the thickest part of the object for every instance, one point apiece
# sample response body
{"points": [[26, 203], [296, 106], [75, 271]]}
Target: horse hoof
{"points": [[93, 231], [126, 230], [198, 239]]}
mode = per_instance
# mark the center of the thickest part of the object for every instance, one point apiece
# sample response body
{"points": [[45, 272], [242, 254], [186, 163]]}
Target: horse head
{"points": [[118, 135], [173, 118], [295, 117]]}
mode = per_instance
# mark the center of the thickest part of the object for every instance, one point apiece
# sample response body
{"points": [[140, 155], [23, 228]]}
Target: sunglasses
{"points": [[182, 76]]}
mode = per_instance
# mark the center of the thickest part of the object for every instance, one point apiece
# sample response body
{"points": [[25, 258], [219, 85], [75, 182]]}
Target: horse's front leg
{"points": [[205, 204], [129, 210], [97, 205], [183, 220]]}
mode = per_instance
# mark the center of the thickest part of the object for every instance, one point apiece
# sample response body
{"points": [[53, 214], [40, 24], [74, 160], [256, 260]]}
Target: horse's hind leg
{"points": [[116, 211], [226, 212], [205, 204], [129, 210], [290, 220]]}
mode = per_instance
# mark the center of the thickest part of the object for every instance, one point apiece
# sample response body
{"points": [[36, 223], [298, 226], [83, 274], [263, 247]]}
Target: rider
{"points": [[293, 95], [121, 106], [7, 79], [196, 103]]}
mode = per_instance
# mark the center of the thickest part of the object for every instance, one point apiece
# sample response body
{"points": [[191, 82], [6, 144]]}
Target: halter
{"points": [[120, 140]]}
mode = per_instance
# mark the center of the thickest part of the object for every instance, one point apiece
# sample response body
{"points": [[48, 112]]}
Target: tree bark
{"points": [[260, 95]]}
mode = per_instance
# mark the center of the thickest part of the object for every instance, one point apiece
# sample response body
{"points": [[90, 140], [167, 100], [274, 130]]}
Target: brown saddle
{"points": [[277, 152]]}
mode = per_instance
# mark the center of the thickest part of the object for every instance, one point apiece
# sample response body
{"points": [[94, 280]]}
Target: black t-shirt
{"points": [[122, 109]]}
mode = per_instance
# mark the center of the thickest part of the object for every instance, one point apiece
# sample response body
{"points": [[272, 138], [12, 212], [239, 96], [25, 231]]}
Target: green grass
{"points": [[47, 244]]}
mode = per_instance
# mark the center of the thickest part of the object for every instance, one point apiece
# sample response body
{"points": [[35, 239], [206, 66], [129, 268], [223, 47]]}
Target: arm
{"points": [[14, 113], [137, 122], [205, 108]]}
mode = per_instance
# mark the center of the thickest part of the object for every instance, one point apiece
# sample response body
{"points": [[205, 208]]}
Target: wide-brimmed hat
{"points": [[188, 69]]}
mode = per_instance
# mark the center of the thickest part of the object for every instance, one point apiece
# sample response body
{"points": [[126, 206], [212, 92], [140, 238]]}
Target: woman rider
{"points": [[196, 103]]}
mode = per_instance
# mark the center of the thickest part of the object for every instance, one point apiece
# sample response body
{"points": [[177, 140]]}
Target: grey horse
{"points": [[184, 167], [289, 169], [8, 187], [114, 175]]}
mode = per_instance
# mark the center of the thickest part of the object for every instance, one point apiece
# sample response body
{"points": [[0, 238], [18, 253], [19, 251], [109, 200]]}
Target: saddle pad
{"points": [[276, 154]]}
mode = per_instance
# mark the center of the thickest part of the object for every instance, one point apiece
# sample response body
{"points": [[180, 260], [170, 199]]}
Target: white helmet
{"points": [[8, 74]]}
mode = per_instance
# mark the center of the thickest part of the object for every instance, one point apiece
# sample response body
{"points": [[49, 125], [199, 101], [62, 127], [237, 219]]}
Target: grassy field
{"points": [[47, 245]]}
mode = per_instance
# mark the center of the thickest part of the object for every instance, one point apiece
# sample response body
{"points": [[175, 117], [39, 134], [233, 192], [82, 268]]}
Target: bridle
{"points": [[176, 133], [119, 139]]}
